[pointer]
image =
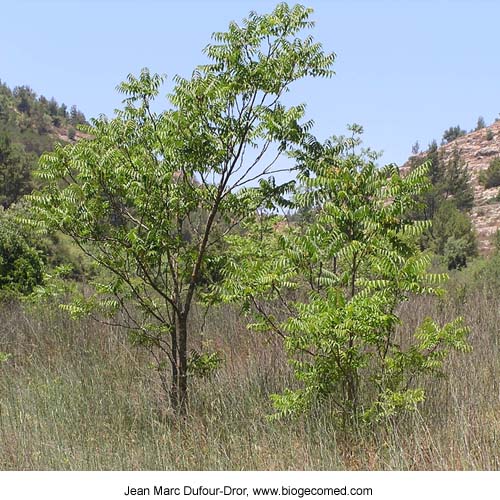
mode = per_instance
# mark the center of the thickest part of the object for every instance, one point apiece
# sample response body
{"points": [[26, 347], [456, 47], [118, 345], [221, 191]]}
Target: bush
{"points": [[21, 267], [491, 176], [452, 236]]}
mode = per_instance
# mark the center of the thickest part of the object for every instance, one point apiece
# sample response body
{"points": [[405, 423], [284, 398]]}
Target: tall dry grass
{"points": [[76, 395]]}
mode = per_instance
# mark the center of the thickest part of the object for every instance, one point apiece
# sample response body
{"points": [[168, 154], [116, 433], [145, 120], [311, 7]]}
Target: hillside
{"points": [[29, 125], [477, 149]]}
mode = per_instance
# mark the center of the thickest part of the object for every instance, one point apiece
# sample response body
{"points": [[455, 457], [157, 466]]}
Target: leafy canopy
{"points": [[152, 196], [332, 287]]}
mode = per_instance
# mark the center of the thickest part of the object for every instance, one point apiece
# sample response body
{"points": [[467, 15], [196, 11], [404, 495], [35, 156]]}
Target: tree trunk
{"points": [[174, 387], [183, 381], [179, 386]]}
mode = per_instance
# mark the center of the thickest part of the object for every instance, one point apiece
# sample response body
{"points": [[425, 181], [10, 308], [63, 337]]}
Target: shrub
{"points": [[491, 176], [452, 235], [21, 267]]}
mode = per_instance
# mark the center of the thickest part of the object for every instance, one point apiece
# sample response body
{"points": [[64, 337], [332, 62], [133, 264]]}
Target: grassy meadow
{"points": [[75, 395]]}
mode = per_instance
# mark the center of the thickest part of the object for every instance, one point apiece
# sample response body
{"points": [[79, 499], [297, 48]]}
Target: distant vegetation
{"points": [[491, 176], [29, 126], [453, 133], [447, 204]]}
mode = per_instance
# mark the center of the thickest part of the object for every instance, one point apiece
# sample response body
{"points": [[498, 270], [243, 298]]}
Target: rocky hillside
{"points": [[29, 126], [477, 149]]}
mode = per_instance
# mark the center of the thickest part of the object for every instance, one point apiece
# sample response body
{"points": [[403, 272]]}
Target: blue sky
{"points": [[405, 70]]}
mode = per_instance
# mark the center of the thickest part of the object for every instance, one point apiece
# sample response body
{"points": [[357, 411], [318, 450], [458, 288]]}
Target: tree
{"points": [[332, 289], [63, 111], [53, 107], [151, 197], [456, 183], [480, 123], [450, 186], [453, 236], [453, 133], [15, 171], [25, 98], [491, 176], [76, 117]]}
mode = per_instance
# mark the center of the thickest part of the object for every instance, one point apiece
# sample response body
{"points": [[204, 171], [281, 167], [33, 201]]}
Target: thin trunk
{"points": [[174, 388], [352, 376], [182, 374]]}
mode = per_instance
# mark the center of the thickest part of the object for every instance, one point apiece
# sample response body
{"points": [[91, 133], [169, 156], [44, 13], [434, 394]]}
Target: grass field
{"points": [[76, 395]]}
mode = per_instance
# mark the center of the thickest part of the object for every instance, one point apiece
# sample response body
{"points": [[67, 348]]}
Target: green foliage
{"points": [[450, 182], [332, 288], [204, 365], [21, 267], [4, 357], [491, 176], [452, 235], [15, 171], [453, 133], [456, 185], [26, 131], [76, 117], [446, 203], [151, 197], [480, 123], [489, 135], [496, 241]]}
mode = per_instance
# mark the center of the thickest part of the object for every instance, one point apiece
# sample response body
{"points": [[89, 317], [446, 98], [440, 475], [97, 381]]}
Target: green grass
{"points": [[76, 395]]}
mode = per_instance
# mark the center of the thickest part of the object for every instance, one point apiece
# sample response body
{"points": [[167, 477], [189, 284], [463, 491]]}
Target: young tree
{"points": [[151, 197], [332, 289]]}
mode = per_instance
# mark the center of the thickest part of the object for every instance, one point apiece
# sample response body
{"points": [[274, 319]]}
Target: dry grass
{"points": [[76, 396]]}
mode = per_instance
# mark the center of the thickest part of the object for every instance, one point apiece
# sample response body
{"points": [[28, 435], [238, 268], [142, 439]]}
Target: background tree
{"points": [[491, 176], [480, 123], [151, 197], [453, 133], [21, 267], [452, 235], [15, 171], [76, 117], [25, 97], [447, 203], [456, 183]]}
